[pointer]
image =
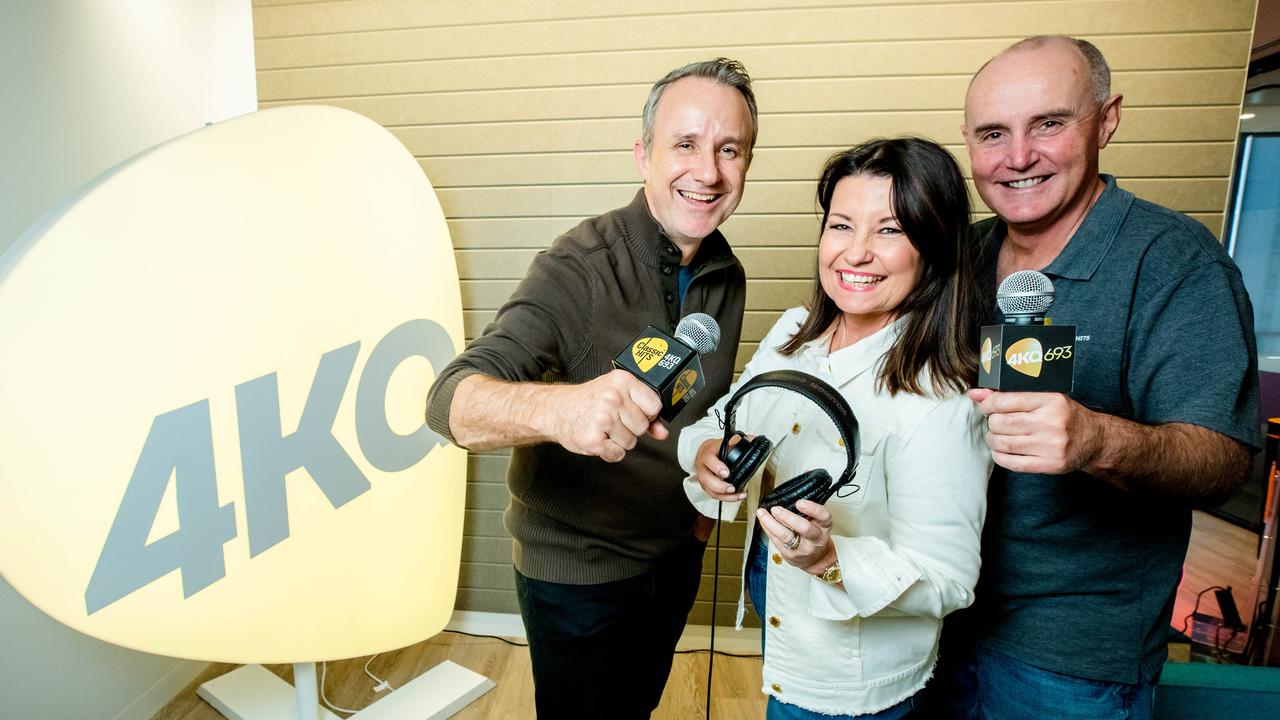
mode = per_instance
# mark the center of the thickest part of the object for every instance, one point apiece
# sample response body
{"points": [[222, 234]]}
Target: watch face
{"points": [[832, 574]]}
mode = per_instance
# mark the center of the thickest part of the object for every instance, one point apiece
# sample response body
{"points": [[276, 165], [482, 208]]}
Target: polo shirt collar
{"points": [[1082, 256], [1084, 252], [849, 362]]}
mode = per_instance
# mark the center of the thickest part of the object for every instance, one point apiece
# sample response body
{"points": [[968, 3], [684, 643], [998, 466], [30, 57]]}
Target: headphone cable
{"points": [[715, 586]]}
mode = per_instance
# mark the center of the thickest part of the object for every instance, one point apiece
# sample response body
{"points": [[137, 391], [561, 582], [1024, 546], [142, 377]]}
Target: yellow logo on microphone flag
{"points": [[1025, 356], [986, 354], [647, 352], [683, 383]]}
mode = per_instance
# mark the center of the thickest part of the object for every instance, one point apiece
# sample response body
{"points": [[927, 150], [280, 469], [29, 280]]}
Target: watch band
{"points": [[831, 575]]}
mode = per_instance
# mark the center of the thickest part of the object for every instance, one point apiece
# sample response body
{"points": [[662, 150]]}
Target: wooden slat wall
{"points": [[523, 115]]}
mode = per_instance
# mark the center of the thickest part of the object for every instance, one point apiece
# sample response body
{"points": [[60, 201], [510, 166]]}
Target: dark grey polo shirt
{"points": [[1079, 577]]}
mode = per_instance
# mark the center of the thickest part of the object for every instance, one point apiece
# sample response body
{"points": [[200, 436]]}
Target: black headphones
{"points": [[746, 457]]}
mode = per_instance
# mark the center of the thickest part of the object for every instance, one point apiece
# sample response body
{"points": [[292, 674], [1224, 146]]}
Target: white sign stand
{"points": [[251, 692]]}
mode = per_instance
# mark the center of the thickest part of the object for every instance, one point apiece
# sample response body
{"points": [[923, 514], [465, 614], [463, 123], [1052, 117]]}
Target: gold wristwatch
{"points": [[831, 575]]}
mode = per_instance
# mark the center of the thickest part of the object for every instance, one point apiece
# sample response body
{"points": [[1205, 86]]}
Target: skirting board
{"points": [[163, 690], [696, 637]]}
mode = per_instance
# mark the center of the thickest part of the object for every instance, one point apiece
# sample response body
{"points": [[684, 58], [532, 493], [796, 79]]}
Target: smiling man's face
{"points": [[696, 164], [1033, 131]]}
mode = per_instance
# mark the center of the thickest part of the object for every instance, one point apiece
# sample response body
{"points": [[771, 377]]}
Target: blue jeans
{"points": [[757, 568], [977, 683]]}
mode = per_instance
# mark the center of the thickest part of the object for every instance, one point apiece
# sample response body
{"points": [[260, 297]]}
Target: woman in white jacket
{"points": [[851, 594]]}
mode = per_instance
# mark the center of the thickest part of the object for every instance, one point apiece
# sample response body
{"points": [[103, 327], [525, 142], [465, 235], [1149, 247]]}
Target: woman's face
{"points": [[866, 264]]}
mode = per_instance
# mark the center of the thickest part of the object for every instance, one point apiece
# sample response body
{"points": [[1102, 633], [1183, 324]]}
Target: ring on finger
{"points": [[794, 542]]}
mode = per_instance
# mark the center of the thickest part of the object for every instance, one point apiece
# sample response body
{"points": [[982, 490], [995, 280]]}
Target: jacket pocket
{"points": [[853, 495]]}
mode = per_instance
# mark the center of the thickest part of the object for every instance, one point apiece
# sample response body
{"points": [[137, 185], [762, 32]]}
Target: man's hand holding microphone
{"points": [[656, 377], [1027, 368]]}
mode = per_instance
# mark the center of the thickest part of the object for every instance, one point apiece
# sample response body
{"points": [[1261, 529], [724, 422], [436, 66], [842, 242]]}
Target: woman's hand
{"points": [[803, 540], [712, 472]]}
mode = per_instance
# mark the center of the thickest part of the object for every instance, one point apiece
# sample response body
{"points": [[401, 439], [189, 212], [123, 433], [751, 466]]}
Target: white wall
{"points": [[86, 84]]}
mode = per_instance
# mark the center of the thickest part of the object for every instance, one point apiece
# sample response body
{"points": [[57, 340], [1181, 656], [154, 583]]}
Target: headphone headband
{"points": [[827, 398]]}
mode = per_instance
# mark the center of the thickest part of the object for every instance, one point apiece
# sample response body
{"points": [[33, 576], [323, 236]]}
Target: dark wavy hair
{"points": [[943, 312]]}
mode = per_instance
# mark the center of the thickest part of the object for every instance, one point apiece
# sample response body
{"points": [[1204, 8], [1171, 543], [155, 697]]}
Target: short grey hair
{"points": [[721, 70], [1099, 71]]}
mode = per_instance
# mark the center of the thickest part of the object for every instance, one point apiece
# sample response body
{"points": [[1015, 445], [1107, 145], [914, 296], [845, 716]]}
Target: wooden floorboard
{"points": [[736, 682], [1220, 554]]}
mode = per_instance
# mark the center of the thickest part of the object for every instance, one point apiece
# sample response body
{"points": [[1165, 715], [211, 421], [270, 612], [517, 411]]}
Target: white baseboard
{"points": [[164, 690], [507, 625], [696, 637]]}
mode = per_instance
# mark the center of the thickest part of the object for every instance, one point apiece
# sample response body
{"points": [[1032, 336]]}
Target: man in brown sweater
{"points": [[606, 558]]}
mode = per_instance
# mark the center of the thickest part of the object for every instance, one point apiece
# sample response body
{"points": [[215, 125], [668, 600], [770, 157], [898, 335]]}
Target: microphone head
{"points": [[1025, 294], [699, 331]]}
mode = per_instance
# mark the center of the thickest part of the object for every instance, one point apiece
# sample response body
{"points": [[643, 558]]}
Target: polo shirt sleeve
{"points": [[542, 328], [937, 484], [1192, 355]]}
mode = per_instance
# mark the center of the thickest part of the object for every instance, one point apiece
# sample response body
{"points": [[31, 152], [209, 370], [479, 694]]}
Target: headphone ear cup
{"points": [[745, 458], [814, 485]]}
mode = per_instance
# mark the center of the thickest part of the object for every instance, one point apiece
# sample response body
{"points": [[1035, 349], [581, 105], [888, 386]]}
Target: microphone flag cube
{"points": [[1027, 358], [671, 368]]}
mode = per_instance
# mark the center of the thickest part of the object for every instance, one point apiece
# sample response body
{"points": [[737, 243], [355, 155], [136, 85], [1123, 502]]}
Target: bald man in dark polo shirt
{"points": [[1089, 505]]}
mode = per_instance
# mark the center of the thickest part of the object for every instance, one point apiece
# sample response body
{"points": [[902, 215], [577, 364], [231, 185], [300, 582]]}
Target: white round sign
{"points": [[214, 371]]}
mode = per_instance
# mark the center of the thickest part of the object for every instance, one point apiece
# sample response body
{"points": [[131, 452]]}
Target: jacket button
{"points": [[774, 621], [670, 297], [795, 429], [777, 559], [776, 688], [840, 442], [666, 269]]}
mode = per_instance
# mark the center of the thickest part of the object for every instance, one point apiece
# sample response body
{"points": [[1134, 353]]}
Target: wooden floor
{"points": [[736, 682], [1220, 554]]}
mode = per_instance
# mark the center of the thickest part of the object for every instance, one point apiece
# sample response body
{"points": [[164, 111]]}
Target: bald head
{"points": [[1088, 60], [1036, 117]]}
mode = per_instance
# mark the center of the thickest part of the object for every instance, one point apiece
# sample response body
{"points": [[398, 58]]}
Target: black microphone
{"points": [[1028, 353], [672, 366]]}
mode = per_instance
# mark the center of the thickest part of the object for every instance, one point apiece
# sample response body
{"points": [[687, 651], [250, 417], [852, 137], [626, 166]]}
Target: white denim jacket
{"points": [[907, 539]]}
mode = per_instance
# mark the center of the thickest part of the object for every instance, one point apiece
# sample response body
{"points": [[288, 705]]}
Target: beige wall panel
{"points": [[496, 550], [487, 494], [761, 294], [357, 76], [497, 232], [755, 324], [395, 14], [741, 229], [484, 523], [495, 601], [764, 263], [1213, 123], [801, 163], [773, 196], [487, 576], [314, 17], [1147, 88], [523, 115], [632, 73], [738, 30], [488, 468]]}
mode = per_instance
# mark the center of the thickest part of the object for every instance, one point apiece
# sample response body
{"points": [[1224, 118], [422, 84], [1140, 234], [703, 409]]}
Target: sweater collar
{"points": [[649, 243]]}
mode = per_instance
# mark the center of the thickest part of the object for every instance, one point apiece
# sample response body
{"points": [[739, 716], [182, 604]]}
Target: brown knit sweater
{"points": [[578, 519]]}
